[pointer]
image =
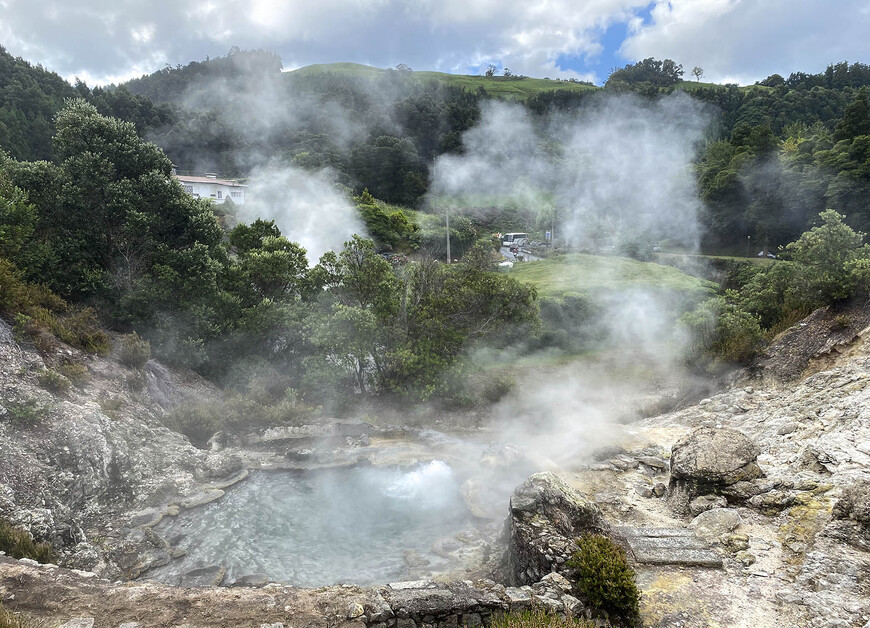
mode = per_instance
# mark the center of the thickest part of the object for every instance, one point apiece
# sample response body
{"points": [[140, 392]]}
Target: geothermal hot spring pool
{"points": [[353, 525]]}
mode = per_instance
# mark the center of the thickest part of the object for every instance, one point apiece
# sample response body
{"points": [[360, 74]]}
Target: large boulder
{"points": [[545, 516], [710, 459]]}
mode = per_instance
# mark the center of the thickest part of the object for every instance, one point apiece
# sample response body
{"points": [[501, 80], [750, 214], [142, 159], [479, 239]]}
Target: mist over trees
{"points": [[776, 155], [106, 226]]}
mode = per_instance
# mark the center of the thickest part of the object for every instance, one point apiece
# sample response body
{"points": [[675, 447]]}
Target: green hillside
{"points": [[511, 87]]}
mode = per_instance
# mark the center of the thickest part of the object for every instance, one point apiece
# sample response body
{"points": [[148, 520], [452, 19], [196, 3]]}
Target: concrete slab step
{"points": [[669, 546]]}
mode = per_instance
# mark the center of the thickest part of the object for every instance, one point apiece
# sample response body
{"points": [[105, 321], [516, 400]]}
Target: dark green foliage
{"points": [[536, 619], [18, 543], [657, 73], [604, 578], [24, 413], [725, 330], [53, 381], [42, 315], [390, 228], [133, 350]]}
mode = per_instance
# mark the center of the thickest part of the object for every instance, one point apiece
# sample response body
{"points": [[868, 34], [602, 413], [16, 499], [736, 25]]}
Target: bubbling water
{"points": [[314, 528]]}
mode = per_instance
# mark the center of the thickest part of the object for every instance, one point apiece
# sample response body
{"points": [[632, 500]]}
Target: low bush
{"points": [[25, 413], [39, 314], [76, 373], [841, 322], [604, 578], [81, 330], [200, 421], [10, 620], [111, 406], [18, 543], [496, 387], [133, 350], [53, 382], [536, 619]]}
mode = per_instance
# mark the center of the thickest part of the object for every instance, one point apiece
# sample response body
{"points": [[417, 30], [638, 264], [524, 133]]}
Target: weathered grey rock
{"points": [[706, 502], [714, 524], [251, 580], [772, 502], [854, 503], [204, 577], [710, 456], [708, 460], [79, 622], [658, 464], [545, 516], [644, 490]]}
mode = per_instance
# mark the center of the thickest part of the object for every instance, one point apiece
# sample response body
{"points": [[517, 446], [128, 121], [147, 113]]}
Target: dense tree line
{"points": [[776, 155]]}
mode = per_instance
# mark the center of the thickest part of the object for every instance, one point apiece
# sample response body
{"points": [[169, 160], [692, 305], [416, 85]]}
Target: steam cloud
{"points": [[620, 169], [617, 172], [307, 207]]}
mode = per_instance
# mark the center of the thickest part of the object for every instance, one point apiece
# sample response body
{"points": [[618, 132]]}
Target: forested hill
{"points": [[777, 153], [30, 97]]}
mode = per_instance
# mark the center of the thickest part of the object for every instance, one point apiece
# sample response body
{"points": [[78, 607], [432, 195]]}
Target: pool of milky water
{"points": [[351, 525]]}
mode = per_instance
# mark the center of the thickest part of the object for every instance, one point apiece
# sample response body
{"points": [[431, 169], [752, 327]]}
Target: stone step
{"points": [[654, 532], [669, 546]]}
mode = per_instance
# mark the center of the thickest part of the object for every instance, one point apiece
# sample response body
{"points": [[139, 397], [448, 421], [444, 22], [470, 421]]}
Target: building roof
{"points": [[227, 182]]}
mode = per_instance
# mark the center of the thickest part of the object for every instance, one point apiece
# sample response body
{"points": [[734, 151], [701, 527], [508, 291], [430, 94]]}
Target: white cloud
{"points": [[747, 40], [743, 39], [100, 39]]}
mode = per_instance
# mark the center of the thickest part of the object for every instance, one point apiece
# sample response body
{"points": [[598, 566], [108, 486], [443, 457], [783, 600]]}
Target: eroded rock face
{"points": [[545, 516], [708, 459], [854, 504]]}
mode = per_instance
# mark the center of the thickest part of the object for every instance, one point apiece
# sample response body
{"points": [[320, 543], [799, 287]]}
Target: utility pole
{"points": [[449, 260]]}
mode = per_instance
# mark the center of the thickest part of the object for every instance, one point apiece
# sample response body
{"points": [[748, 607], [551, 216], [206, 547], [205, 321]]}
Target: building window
{"points": [[219, 194], [236, 194]]}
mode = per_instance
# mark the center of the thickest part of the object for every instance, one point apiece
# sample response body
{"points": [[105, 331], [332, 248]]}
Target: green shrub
{"points": [[133, 350], [723, 330], [536, 619], [76, 373], [81, 330], [496, 387], [604, 578], [111, 406], [9, 620], [200, 421], [39, 313], [53, 382], [18, 543], [841, 322], [25, 413]]}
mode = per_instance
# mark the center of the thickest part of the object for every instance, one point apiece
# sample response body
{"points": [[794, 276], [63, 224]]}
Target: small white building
{"points": [[209, 186]]}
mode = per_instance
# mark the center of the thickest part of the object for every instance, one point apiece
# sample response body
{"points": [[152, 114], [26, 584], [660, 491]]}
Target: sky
{"points": [[733, 41]]}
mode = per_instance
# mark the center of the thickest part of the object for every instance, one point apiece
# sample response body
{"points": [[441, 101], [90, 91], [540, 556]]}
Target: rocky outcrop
{"points": [[709, 459], [37, 589], [74, 465], [546, 515], [854, 504]]}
